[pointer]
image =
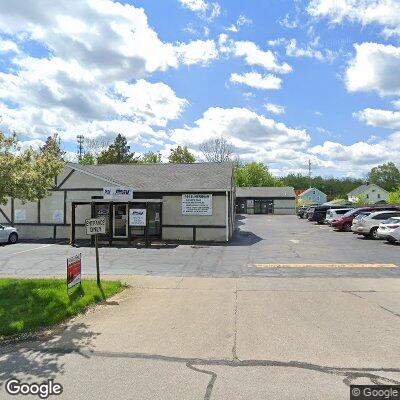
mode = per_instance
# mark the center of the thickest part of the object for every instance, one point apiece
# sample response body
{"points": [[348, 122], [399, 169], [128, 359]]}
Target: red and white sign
{"points": [[74, 269]]}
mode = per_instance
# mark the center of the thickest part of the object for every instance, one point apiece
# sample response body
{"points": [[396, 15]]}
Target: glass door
{"points": [[120, 221]]}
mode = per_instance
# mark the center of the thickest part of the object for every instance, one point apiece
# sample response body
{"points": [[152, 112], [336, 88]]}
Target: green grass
{"points": [[30, 304]]}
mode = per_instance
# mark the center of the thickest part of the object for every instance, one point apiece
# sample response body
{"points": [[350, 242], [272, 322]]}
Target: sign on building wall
{"points": [[197, 204], [117, 193], [58, 216], [137, 217], [95, 226], [74, 270], [20, 215]]}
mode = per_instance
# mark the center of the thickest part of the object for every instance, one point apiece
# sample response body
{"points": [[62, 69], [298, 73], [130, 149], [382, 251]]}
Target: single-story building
{"points": [[369, 192], [265, 200], [178, 202], [313, 196]]}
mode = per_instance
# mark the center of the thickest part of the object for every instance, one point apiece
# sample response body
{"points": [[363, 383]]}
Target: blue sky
{"points": [[284, 81]]}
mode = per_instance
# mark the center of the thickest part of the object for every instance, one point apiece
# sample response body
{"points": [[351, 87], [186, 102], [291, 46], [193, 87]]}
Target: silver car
{"points": [[368, 225], [8, 234]]}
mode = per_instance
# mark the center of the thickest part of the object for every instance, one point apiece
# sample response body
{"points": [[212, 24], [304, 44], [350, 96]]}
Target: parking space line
{"points": [[336, 265], [35, 248], [294, 241]]}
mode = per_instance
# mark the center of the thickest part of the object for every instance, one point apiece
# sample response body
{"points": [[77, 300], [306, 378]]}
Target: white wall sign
{"points": [[137, 217], [95, 226], [117, 193], [197, 204], [20, 215], [58, 216]]}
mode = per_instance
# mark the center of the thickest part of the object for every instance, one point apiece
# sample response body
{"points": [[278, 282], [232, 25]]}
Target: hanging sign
{"points": [[74, 270], [137, 217], [58, 216], [117, 193], [95, 226], [197, 204]]}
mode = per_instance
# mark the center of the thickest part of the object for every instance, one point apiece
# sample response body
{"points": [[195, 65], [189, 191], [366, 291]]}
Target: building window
{"points": [[379, 195], [318, 198], [367, 196], [313, 192]]}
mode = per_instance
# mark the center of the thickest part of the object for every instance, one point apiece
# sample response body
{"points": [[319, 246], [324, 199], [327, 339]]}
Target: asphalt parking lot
{"points": [[264, 245]]}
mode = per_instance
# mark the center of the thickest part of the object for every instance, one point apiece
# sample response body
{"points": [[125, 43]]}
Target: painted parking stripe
{"points": [[294, 241], [336, 265], [35, 248]]}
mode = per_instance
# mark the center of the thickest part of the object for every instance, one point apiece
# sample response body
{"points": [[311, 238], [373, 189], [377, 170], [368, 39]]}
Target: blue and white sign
{"points": [[117, 193]]}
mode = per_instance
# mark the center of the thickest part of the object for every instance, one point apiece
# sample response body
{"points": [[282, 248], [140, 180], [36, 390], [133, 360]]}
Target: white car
{"points": [[357, 220], [368, 225], [8, 234], [334, 214], [390, 230]]}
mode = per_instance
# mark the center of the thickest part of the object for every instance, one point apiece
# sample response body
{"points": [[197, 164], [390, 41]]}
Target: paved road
{"points": [[260, 243], [201, 338]]}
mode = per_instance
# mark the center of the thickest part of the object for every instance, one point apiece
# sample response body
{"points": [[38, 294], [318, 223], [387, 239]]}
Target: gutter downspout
{"points": [[226, 216]]}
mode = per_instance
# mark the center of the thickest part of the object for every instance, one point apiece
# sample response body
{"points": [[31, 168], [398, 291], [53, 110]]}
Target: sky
{"points": [[284, 81]]}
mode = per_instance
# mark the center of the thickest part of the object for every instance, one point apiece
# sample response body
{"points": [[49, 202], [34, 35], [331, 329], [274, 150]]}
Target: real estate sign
{"points": [[74, 270], [197, 204], [137, 217], [95, 226]]}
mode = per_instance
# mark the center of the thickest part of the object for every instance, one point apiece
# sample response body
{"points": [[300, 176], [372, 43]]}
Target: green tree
{"points": [[151, 158], [386, 176], [118, 153], [87, 159], [181, 155], [52, 146], [26, 175], [255, 174], [394, 196]]}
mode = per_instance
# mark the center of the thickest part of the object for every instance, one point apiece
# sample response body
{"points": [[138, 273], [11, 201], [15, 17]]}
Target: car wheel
{"points": [[374, 233], [13, 238], [347, 227]]}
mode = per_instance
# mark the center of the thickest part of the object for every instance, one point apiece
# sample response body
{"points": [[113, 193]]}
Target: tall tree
{"points": [[53, 146], [386, 176], [118, 153], [217, 150], [151, 158], [26, 175], [87, 159], [181, 155], [255, 174]]}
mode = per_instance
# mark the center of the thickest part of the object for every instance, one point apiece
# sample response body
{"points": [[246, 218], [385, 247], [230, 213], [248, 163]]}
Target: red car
{"points": [[344, 223]]}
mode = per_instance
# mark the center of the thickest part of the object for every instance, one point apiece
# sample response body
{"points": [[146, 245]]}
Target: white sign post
{"points": [[137, 217], [95, 226], [197, 204]]}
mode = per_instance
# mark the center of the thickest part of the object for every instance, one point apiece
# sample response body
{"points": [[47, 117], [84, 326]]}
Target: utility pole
{"points": [[80, 139], [309, 172]]}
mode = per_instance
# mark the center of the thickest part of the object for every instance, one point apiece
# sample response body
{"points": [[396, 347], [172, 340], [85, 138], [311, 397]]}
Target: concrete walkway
{"points": [[223, 338]]}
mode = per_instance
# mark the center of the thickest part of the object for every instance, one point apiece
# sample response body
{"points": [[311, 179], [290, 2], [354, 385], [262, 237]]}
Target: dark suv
{"points": [[319, 213]]}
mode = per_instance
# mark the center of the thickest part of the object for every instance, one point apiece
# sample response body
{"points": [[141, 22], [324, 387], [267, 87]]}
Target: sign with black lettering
{"points": [[95, 226], [117, 193], [137, 217], [197, 204]]}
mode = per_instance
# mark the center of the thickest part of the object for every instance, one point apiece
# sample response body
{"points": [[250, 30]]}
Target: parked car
{"points": [[8, 234], [368, 225], [319, 213], [335, 214], [302, 211], [357, 219], [390, 230], [309, 213], [345, 222]]}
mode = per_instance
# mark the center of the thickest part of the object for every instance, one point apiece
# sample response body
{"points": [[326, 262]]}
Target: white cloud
{"points": [[257, 81], [383, 12], [8, 46], [292, 50], [277, 42], [205, 10], [380, 118], [396, 104], [275, 108], [375, 68], [254, 56], [197, 52], [241, 21]]}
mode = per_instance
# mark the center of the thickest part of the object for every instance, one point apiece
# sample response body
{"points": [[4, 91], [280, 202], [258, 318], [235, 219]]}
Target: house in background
{"points": [[370, 192], [313, 196]]}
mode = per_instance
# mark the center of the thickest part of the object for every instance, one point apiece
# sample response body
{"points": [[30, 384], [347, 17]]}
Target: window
{"points": [[313, 192], [379, 195], [367, 196], [318, 198]]}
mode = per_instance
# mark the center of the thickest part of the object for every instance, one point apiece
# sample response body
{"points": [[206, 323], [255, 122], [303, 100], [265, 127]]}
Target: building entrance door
{"points": [[262, 207], [120, 220]]}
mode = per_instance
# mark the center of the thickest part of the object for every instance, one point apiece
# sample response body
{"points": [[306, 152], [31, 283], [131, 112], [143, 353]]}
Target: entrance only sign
{"points": [[95, 226]]}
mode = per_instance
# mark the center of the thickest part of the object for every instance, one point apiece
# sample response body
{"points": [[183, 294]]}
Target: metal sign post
{"points": [[96, 226]]}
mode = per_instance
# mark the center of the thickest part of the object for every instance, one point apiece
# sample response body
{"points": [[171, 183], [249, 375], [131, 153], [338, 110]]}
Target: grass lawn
{"points": [[29, 304]]}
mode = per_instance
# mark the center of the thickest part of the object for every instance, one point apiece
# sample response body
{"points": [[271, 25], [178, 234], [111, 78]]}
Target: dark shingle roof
{"points": [[166, 177], [285, 191]]}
